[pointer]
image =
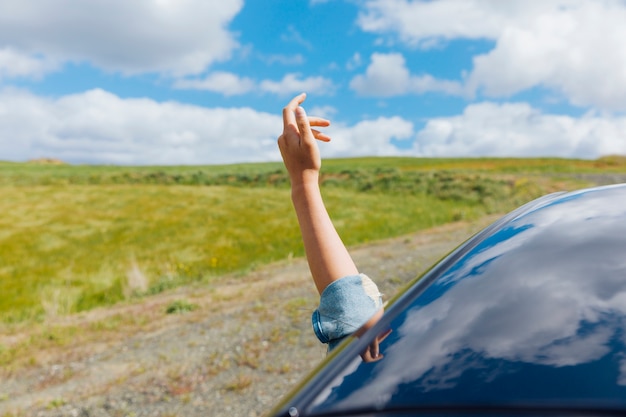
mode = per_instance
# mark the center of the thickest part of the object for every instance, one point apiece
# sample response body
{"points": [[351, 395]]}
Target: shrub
{"points": [[180, 306]]}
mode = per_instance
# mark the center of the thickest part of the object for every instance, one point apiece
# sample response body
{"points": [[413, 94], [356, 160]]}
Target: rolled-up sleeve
{"points": [[345, 306]]}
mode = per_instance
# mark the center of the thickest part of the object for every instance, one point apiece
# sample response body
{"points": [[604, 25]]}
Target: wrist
{"points": [[301, 189], [305, 192], [305, 180]]}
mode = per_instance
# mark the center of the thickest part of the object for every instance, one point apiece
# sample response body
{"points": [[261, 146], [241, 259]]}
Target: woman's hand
{"points": [[298, 145]]}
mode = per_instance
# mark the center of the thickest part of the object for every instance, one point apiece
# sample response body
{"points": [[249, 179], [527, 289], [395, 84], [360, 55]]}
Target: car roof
{"points": [[529, 314]]}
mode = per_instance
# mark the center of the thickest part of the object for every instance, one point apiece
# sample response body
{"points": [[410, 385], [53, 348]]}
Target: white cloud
{"points": [[297, 59], [517, 129], [99, 127], [294, 36], [14, 64], [485, 129], [226, 83], [292, 84], [323, 111], [367, 138], [230, 84], [578, 52], [387, 75], [172, 37], [423, 24], [573, 47], [355, 62]]}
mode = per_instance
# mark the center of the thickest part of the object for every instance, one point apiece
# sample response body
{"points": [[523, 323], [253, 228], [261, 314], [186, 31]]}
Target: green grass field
{"points": [[77, 237]]}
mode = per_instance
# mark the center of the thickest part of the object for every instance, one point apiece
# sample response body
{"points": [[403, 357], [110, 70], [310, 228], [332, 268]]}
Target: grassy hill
{"points": [[76, 237]]}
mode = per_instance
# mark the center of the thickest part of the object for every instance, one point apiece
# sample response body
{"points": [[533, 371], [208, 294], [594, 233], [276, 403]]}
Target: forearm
{"points": [[326, 254], [328, 258]]}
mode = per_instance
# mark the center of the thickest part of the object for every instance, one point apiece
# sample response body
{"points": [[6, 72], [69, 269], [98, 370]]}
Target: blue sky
{"points": [[197, 82]]}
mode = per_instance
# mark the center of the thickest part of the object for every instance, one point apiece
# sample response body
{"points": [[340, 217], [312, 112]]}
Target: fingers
{"points": [[372, 353], [289, 117], [374, 350], [303, 124], [384, 335], [318, 121], [320, 136], [289, 113]]}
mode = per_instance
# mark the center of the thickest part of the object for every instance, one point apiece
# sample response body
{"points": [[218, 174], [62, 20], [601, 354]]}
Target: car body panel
{"points": [[528, 314]]}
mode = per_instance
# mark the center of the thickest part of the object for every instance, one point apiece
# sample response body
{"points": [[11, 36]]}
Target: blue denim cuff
{"points": [[345, 306]]}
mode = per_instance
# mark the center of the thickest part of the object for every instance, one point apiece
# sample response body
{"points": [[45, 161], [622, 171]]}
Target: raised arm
{"points": [[328, 258]]}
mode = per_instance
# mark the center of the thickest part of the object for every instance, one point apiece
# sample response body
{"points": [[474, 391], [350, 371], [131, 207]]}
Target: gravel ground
{"points": [[248, 342]]}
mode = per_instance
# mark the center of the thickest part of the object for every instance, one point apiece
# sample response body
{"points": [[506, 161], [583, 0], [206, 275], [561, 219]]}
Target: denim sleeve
{"points": [[345, 305]]}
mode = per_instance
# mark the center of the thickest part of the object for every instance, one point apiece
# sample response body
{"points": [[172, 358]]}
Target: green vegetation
{"points": [[180, 307], [76, 237]]}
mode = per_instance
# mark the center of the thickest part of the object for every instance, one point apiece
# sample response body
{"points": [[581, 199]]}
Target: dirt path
{"points": [[248, 342]]}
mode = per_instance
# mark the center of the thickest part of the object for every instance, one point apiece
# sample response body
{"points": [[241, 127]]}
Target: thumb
{"points": [[303, 124]]}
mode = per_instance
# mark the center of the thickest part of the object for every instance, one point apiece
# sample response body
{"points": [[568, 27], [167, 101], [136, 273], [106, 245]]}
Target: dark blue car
{"points": [[528, 317]]}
